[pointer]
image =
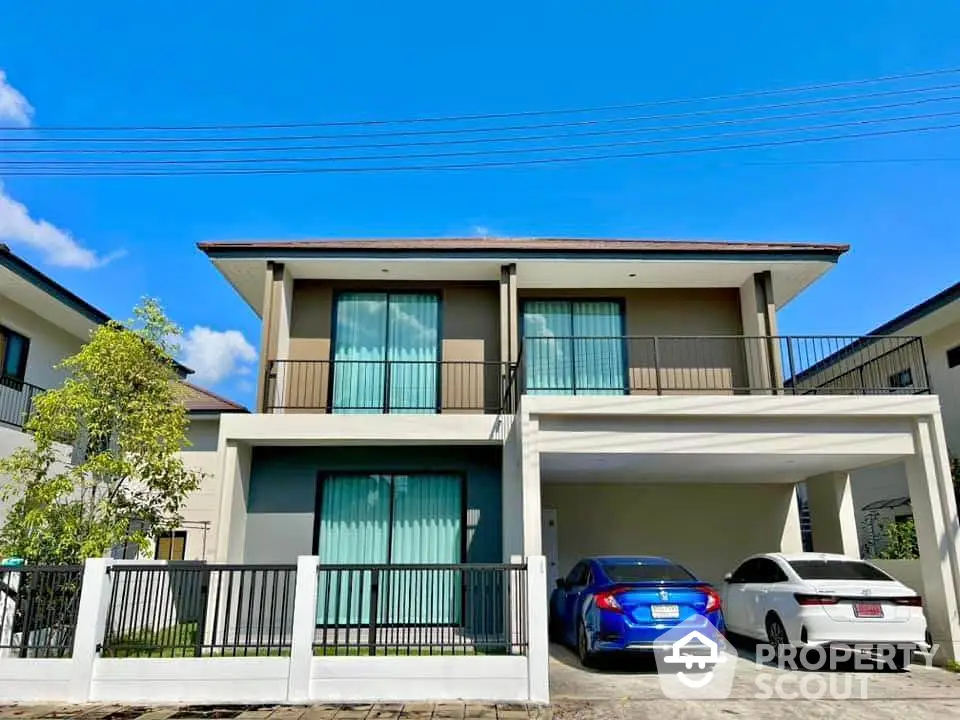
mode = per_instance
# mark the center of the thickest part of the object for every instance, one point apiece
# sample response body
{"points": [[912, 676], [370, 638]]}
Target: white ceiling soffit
{"points": [[44, 305], [789, 277]]}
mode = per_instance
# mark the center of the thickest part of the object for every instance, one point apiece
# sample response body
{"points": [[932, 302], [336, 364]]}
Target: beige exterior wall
{"points": [[678, 521], [203, 506], [470, 333], [718, 364]]}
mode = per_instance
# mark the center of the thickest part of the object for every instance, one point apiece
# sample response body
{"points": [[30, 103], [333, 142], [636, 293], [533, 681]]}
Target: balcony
{"points": [[389, 386], [658, 365], [16, 401], [630, 365]]}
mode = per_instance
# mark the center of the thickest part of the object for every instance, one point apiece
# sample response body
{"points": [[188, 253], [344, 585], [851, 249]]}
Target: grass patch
{"points": [[353, 651], [179, 641], [952, 666]]}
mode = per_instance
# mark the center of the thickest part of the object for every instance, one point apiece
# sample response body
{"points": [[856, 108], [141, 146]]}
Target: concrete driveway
{"points": [[629, 689]]}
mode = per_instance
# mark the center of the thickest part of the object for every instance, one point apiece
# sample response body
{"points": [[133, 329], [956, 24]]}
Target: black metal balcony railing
{"points": [[16, 401], [629, 365], [389, 386], [722, 364]]}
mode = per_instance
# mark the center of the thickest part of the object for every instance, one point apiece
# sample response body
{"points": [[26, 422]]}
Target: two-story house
{"points": [[462, 401], [881, 494], [41, 323]]}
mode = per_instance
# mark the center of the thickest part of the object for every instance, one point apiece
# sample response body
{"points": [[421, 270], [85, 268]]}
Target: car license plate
{"points": [[868, 610], [665, 612]]}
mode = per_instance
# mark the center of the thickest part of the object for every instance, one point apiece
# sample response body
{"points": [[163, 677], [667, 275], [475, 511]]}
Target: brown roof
{"points": [[200, 400], [524, 245]]}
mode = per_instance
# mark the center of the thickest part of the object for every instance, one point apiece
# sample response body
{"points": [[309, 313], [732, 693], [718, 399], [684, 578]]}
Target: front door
{"points": [[550, 547]]}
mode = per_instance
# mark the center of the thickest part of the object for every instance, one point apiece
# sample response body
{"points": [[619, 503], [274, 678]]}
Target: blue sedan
{"points": [[615, 604]]}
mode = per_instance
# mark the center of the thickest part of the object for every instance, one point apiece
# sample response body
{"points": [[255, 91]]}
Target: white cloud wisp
{"points": [[215, 355], [14, 108]]}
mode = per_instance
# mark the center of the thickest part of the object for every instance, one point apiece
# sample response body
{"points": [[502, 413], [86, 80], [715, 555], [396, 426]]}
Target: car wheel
{"points": [[583, 648], [776, 634]]}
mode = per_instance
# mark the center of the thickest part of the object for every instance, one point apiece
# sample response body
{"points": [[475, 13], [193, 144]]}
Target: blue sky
{"points": [[112, 63]]}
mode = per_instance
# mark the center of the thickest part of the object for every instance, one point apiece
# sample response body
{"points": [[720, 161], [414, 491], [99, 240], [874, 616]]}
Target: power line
{"points": [[475, 141], [462, 131], [499, 116], [471, 166], [467, 153]]}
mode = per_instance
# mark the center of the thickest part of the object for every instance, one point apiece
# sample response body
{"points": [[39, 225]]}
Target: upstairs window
{"points": [[902, 379], [953, 356], [13, 355]]}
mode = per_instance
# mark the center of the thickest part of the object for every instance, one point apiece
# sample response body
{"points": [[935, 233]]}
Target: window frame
{"points": [[387, 293], [953, 357], [619, 301], [173, 536], [901, 379], [324, 475], [19, 377]]}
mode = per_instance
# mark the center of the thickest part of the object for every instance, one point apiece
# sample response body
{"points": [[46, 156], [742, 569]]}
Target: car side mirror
{"points": [[561, 584], [728, 578]]}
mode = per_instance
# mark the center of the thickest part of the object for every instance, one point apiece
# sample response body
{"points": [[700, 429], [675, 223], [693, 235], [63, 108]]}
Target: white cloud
{"points": [[57, 246], [215, 355], [481, 231], [14, 108]]}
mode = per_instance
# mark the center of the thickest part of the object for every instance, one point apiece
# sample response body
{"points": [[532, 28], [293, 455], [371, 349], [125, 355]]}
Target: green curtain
{"points": [[360, 336], [426, 530], [386, 351], [549, 352], [573, 348], [354, 530], [395, 519], [413, 350]]}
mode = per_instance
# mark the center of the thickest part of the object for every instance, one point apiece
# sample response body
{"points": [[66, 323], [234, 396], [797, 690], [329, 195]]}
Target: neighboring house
{"points": [[464, 401], [41, 323], [881, 494]]}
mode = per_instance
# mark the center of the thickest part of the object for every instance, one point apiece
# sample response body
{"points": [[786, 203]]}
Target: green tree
{"points": [[901, 541], [120, 405]]}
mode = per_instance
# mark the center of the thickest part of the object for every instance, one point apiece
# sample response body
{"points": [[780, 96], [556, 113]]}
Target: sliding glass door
{"points": [[573, 347], [390, 520], [386, 352]]}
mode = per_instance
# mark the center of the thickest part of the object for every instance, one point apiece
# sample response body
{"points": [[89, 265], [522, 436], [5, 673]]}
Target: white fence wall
{"points": [[295, 678]]}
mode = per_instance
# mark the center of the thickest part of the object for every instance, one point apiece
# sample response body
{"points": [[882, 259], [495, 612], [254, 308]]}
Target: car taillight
{"points": [[713, 598], [914, 601], [608, 601], [816, 599]]}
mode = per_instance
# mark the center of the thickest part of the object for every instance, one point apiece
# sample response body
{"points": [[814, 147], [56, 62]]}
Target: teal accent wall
{"points": [[283, 483]]}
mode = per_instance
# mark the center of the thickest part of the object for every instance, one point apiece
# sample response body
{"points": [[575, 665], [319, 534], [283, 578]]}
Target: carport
{"points": [[707, 481]]}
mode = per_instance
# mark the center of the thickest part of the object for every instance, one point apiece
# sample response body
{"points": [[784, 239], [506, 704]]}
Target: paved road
{"points": [[630, 690]]}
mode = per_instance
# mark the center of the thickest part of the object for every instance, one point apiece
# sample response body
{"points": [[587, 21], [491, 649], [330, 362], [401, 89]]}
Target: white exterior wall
{"points": [[708, 528], [890, 481], [49, 344], [204, 504]]}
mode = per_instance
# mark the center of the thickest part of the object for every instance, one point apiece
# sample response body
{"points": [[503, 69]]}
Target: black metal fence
{"points": [[386, 386], [195, 609], [723, 364], [16, 401], [421, 610], [38, 610]]}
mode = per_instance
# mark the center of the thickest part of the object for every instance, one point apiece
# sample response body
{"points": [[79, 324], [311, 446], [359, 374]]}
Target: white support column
{"points": [[938, 536], [91, 624], [530, 449], [283, 315], [538, 640], [511, 497], [303, 629], [235, 482], [791, 539], [832, 517]]}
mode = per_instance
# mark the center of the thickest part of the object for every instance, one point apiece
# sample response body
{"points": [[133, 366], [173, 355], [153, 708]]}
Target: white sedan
{"points": [[822, 599]]}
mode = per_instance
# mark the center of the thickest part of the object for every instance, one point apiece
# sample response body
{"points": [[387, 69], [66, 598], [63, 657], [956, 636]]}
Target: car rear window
{"points": [[634, 572], [837, 570]]}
